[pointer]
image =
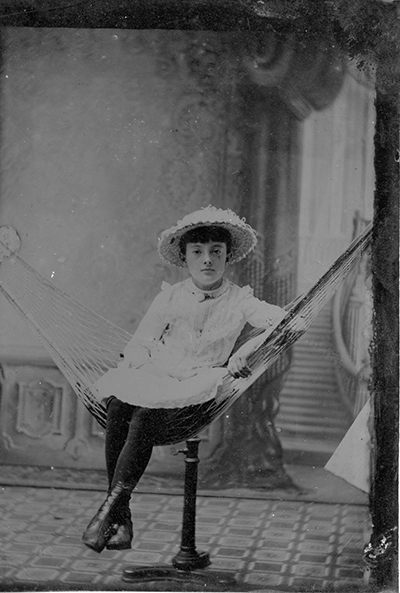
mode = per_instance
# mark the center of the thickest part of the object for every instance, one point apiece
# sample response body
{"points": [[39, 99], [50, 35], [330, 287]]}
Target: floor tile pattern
{"points": [[265, 543]]}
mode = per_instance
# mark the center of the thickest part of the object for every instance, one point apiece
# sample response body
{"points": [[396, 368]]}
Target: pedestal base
{"points": [[190, 559], [141, 574]]}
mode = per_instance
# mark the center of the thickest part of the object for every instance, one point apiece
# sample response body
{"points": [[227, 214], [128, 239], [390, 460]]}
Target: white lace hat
{"points": [[244, 237]]}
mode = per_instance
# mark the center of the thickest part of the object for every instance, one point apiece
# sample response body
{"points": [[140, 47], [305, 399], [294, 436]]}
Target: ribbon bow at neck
{"points": [[204, 296]]}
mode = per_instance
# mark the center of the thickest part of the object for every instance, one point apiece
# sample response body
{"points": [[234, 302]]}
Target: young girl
{"points": [[176, 357]]}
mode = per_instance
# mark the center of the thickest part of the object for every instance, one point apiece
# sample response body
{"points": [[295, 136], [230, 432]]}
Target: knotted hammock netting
{"points": [[84, 345]]}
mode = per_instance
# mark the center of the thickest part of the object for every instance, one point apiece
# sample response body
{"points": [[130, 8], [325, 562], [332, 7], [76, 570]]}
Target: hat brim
{"points": [[244, 240]]}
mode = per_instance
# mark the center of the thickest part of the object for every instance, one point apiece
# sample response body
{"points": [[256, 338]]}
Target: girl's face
{"points": [[206, 263]]}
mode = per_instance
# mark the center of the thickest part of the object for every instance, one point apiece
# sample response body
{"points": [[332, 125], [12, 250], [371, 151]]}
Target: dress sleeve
{"points": [[149, 330], [259, 313]]}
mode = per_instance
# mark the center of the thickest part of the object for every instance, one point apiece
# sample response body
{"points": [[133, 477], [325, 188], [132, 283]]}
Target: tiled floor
{"points": [[264, 544]]}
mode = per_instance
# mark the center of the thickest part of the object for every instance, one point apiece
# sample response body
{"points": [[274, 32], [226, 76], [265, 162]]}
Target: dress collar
{"points": [[204, 295]]}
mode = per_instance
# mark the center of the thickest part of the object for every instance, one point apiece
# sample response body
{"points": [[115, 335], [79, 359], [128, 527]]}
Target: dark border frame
{"points": [[369, 32]]}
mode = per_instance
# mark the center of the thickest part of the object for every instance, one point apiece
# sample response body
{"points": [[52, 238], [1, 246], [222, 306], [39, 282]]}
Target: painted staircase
{"points": [[312, 419]]}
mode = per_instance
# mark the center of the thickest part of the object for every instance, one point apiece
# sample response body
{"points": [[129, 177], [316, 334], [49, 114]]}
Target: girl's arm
{"points": [[262, 315], [149, 331], [259, 314], [237, 364]]}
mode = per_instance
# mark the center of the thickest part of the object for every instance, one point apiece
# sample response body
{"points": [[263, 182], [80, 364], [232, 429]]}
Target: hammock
{"points": [[84, 345]]}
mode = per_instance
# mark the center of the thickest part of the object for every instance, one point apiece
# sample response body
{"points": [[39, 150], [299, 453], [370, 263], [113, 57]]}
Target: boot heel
{"points": [[122, 539]]}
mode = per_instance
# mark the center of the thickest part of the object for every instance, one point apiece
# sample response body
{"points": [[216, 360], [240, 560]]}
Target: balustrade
{"points": [[352, 317]]}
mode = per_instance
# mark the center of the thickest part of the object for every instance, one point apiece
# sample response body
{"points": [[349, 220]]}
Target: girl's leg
{"points": [[119, 415], [136, 452], [147, 427], [132, 462]]}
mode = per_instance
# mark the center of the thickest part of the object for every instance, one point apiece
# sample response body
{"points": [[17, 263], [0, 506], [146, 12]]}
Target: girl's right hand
{"points": [[237, 366]]}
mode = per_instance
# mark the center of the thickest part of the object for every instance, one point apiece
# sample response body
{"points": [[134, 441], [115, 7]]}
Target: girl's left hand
{"points": [[238, 367]]}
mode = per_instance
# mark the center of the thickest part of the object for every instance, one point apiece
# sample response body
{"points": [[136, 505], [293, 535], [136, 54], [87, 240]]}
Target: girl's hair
{"points": [[206, 234]]}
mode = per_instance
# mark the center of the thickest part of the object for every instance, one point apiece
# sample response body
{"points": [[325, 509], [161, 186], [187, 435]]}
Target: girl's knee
{"points": [[118, 409], [145, 415], [107, 401]]}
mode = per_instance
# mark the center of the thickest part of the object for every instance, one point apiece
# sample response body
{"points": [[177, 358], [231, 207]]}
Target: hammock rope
{"points": [[84, 345]]}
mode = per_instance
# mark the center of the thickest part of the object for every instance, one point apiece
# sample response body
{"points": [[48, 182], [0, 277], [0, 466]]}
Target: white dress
{"points": [[175, 356]]}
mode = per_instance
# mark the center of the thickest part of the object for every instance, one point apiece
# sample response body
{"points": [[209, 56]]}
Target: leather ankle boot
{"points": [[104, 524], [122, 539]]}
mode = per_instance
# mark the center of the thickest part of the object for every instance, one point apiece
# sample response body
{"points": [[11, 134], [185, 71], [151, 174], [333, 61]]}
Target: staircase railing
{"points": [[351, 317]]}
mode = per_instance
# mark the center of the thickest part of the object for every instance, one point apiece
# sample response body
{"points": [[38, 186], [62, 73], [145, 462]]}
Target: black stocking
{"points": [[136, 452], [119, 415]]}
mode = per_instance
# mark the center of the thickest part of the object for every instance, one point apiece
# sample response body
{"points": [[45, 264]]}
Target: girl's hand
{"points": [[237, 366]]}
